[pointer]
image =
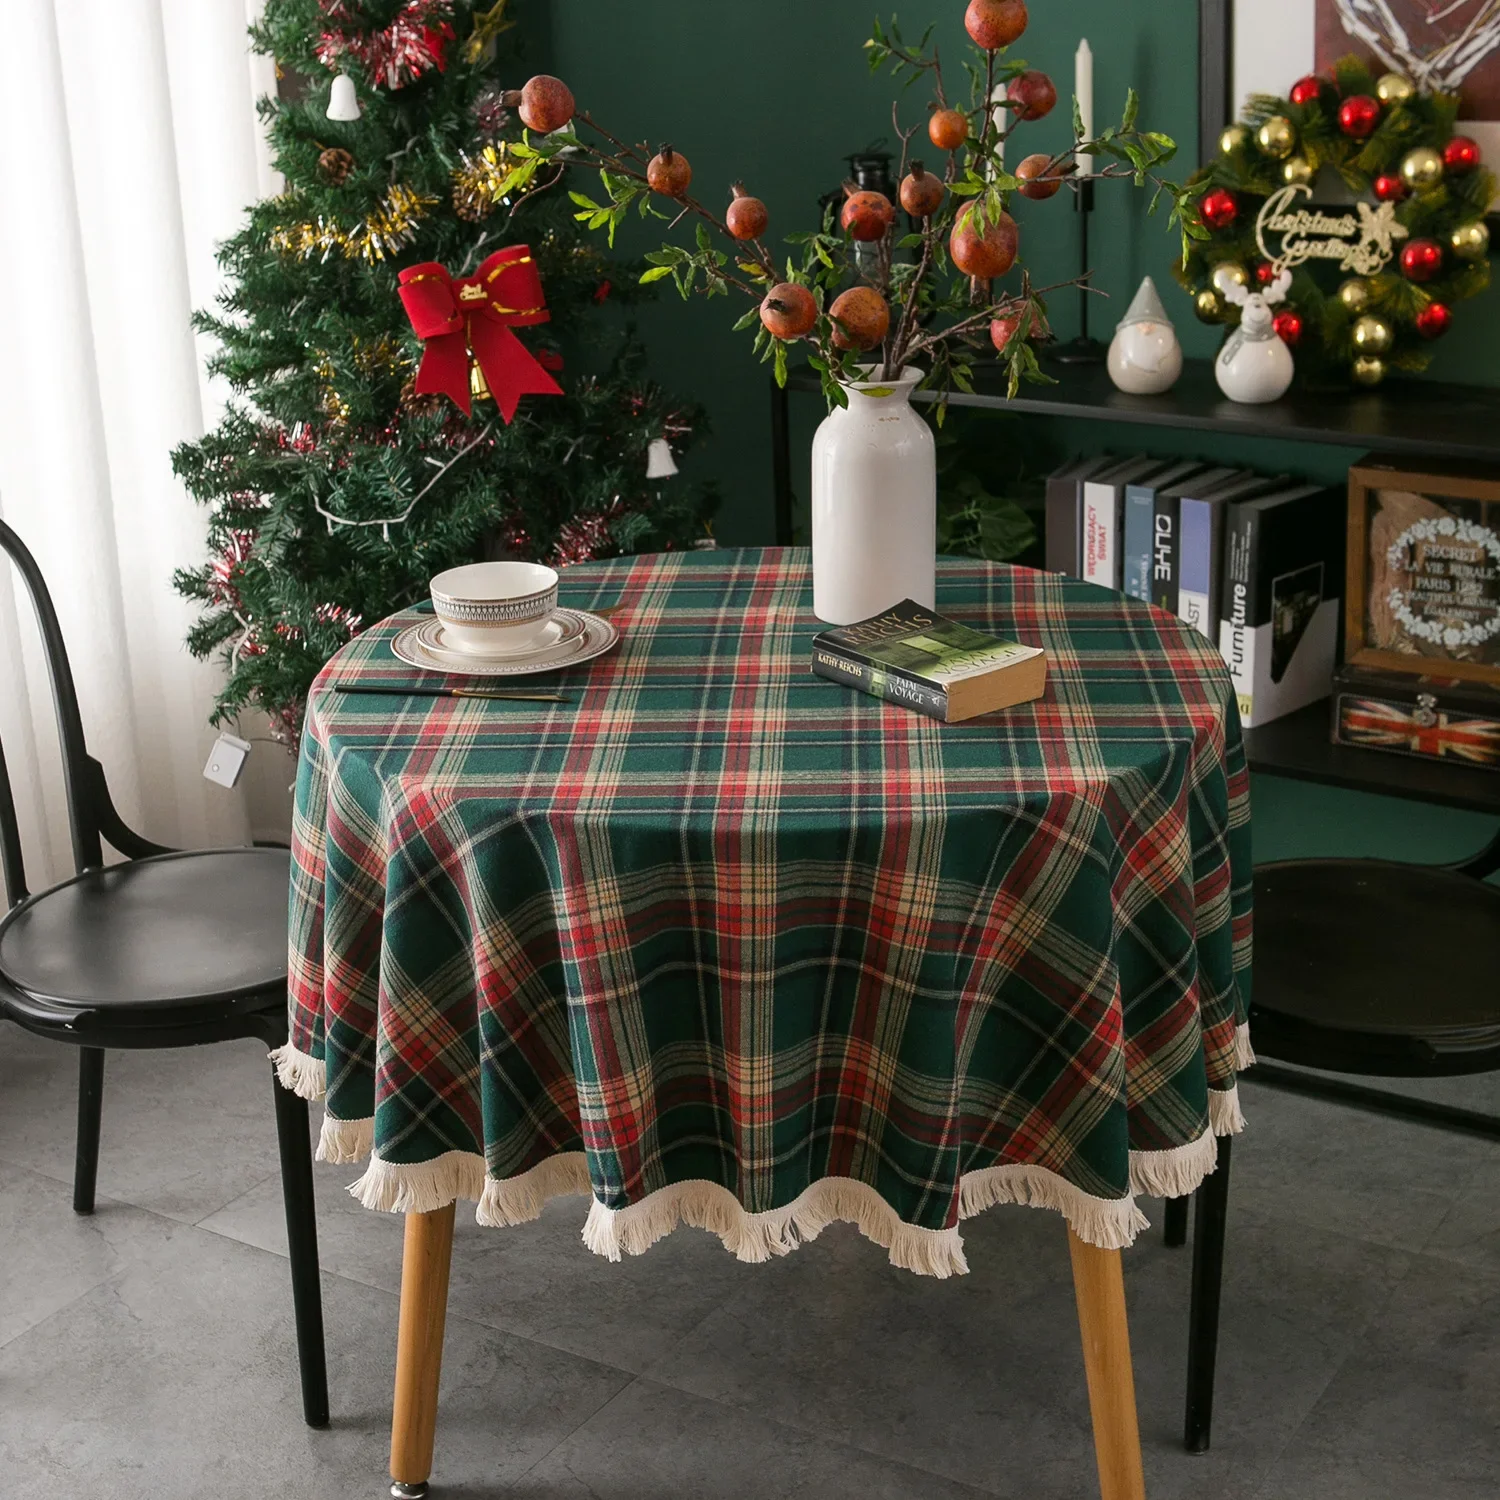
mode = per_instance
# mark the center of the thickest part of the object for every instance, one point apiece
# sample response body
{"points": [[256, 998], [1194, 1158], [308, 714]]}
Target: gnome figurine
{"points": [[1144, 355]]}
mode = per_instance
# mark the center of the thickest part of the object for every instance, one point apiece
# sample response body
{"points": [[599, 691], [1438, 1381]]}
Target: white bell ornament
{"points": [[343, 102], [659, 461], [1255, 364], [1145, 356]]}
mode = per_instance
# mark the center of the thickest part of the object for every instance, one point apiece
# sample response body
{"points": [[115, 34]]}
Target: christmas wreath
{"points": [[1373, 281]]}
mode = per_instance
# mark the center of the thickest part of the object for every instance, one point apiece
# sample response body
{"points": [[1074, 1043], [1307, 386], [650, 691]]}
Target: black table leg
{"points": [[90, 1108], [1203, 1319], [302, 1244], [1175, 1223]]}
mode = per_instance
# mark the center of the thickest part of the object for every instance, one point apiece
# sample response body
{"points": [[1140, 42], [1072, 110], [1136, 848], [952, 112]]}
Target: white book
{"points": [[1102, 541]]}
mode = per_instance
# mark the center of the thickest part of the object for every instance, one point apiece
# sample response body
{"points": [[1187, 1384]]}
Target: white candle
{"points": [[1001, 116], [1083, 90]]}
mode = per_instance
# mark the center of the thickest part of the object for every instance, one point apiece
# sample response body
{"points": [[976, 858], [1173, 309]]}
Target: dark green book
{"points": [[916, 657]]}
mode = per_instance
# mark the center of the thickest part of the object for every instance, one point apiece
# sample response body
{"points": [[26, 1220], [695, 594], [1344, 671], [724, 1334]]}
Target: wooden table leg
{"points": [[425, 1260], [1099, 1285]]}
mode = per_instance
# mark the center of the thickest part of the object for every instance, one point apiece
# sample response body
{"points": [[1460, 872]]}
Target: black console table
{"points": [[1423, 419]]}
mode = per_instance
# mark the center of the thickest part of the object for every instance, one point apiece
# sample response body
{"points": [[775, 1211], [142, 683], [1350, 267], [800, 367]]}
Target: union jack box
{"points": [[1433, 717]]}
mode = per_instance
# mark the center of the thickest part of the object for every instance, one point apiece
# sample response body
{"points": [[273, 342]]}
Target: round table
{"points": [[717, 941]]}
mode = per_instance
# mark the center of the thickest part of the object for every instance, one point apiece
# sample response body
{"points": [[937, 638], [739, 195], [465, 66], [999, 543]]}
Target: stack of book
{"points": [[1254, 562]]}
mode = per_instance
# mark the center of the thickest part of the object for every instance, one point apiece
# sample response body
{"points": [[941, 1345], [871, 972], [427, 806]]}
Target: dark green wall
{"points": [[777, 93]]}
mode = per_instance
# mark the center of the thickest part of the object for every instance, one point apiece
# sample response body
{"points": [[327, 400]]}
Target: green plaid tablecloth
{"points": [[720, 942]]}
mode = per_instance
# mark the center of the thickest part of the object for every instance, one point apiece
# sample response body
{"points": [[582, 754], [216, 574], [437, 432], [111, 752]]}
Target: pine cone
{"points": [[413, 405], [335, 164]]}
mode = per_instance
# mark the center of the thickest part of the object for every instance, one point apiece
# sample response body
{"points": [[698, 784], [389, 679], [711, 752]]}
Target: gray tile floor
{"points": [[148, 1351]]}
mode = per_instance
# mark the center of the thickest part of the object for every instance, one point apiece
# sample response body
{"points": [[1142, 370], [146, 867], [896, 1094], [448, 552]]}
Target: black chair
{"points": [[165, 950], [1361, 966]]}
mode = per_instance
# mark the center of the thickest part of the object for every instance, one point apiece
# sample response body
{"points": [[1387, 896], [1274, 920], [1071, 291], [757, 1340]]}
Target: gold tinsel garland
{"points": [[391, 227], [478, 180]]}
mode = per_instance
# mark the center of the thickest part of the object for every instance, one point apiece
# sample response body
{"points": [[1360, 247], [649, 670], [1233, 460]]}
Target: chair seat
{"points": [[155, 935], [1356, 950]]}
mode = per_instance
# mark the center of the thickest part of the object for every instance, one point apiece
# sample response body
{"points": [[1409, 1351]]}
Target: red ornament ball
{"points": [[1288, 326], [1389, 187], [1359, 114], [1434, 320], [1306, 90], [1421, 260], [1219, 208], [1265, 272], [1461, 154]]}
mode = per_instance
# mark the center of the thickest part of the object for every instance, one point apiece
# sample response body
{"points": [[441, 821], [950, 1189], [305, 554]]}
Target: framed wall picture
{"points": [[1423, 584], [1264, 46]]}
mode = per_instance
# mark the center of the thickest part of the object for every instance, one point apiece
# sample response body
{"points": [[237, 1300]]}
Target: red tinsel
{"points": [[399, 53], [227, 567], [579, 541]]}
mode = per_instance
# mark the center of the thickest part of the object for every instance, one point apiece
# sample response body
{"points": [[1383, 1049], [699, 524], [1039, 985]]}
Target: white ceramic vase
{"points": [[874, 503]]}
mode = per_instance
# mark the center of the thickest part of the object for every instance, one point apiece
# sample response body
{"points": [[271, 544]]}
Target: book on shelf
{"points": [[1200, 548], [1103, 503], [1064, 516], [1139, 526], [1283, 581], [916, 657]]}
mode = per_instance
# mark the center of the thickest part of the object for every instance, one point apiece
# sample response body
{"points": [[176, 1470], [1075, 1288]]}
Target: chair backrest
{"points": [[92, 818]]}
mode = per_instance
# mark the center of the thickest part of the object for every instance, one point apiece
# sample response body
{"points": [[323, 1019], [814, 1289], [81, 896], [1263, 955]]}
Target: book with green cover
{"points": [[914, 656]]}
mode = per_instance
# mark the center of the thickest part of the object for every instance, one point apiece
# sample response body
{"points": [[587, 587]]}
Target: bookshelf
{"points": [[1420, 419]]}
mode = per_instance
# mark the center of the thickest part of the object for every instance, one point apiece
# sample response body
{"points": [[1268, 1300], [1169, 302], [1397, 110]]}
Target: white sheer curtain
{"points": [[129, 147]]}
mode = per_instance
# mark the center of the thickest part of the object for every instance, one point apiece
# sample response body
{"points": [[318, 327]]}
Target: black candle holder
{"points": [[1083, 350]]}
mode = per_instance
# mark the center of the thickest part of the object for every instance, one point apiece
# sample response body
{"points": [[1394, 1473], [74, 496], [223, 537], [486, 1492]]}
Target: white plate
{"points": [[573, 636]]}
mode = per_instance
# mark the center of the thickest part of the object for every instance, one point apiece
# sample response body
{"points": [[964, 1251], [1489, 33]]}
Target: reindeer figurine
{"points": [[1255, 365]]}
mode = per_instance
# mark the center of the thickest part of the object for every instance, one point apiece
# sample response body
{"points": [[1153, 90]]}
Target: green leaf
{"points": [[780, 363], [750, 317], [1132, 109], [656, 273], [582, 200]]}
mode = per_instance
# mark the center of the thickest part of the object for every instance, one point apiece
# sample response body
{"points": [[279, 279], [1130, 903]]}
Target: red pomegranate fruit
{"points": [[984, 251], [1037, 181], [921, 191], [668, 173], [867, 215], [948, 129], [995, 23], [546, 104], [789, 310], [861, 318], [746, 217], [1032, 94]]}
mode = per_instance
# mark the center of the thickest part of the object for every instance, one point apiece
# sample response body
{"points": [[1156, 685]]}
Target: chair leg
{"points": [[90, 1107], [1203, 1319], [1175, 1223], [302, 1243]]}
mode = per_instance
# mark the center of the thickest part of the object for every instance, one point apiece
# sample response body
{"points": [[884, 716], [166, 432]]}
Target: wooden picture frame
{"points": [[1447, 522]]}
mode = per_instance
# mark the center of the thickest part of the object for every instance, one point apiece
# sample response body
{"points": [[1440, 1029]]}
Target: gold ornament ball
{"points": [[1373, 335], [1392, 88], [1471, 241], [1355, 294], [1228, 274], [1422, 168], [1297, 170], [1233, 139], [1208, 305], [1369, 369], [1277, 137]]}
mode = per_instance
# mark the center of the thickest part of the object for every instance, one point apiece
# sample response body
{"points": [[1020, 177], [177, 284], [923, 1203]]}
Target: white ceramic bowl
{"points": [[495, 608]]}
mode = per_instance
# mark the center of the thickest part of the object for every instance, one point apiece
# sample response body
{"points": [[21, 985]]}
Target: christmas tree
{"points": [[336, 487]]}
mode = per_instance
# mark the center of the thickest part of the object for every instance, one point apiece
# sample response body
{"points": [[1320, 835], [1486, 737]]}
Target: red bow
{"points": [[475, 313]]}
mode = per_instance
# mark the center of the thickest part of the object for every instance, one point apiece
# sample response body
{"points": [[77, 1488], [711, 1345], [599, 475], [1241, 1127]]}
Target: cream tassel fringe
{"points": [[1109, 1223], [345, 1142], [519, 1200], [756, 1237], [1225, 1116], [1177, 1172], [302, 1074], [1244, 1053], [420, 1187]]}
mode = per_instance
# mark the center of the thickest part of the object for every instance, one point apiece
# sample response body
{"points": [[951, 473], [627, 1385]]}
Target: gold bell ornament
{"points": [[1471, 241], [1208, 305], [1355, 294], [1297, 171], [479, 387], [1369, 369], [1278, 136], [1422, 168], [1393, 89], [1373, 335]]}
